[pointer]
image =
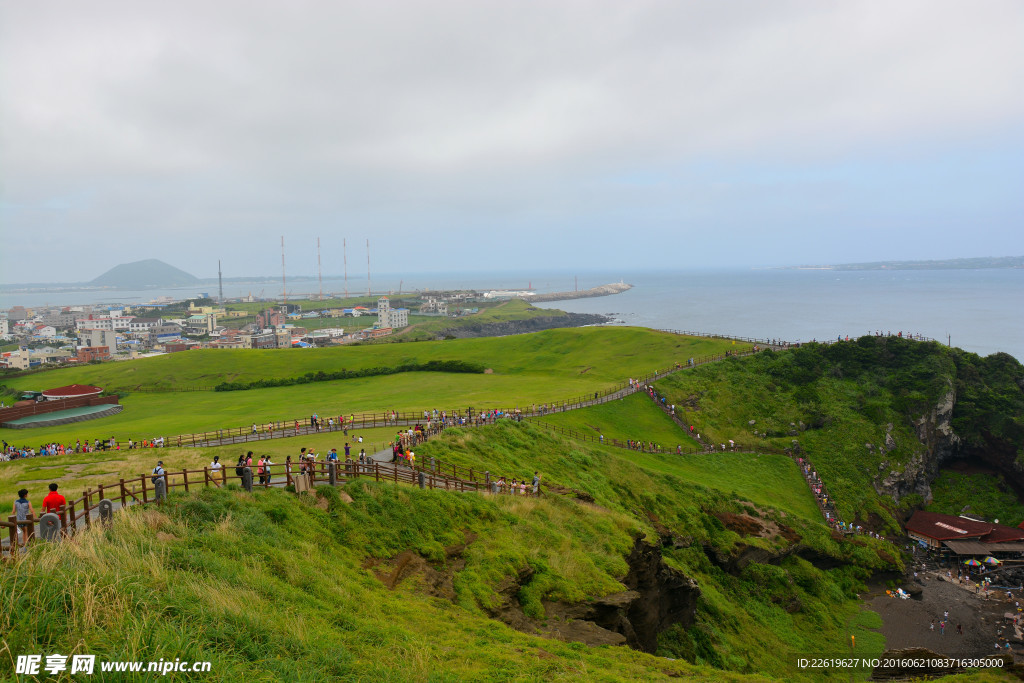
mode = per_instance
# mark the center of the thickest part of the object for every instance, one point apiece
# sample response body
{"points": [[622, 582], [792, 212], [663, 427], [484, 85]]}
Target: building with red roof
{"points": [[962, 535], [71, 391]]}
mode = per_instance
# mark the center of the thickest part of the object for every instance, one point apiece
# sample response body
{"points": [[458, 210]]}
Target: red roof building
{"points": [[935, 529], [71, 391]]}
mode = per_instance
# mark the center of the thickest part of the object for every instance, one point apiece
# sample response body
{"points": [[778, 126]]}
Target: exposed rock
{"points": [[656, 598], [742, 555], [935, 432], [666, 596], [890, 443], [505, 328]]}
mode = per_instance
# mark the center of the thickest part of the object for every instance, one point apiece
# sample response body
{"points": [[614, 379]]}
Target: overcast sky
{"points": [[460, 135]]}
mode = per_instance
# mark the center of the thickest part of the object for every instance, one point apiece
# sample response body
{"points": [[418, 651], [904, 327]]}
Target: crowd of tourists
{"points": [[10, 452]]}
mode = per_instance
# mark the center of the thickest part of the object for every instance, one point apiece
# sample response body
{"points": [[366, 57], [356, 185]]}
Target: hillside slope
{"points": [[877, 416], [400, 584]]}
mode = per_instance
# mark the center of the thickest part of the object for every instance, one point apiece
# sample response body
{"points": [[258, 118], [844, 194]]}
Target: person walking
{"points": [[536, 482], [22, 510], [215, 470]]}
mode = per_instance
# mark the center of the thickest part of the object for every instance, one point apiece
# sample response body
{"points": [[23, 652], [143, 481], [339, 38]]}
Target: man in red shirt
{"points": [[53, 501]]}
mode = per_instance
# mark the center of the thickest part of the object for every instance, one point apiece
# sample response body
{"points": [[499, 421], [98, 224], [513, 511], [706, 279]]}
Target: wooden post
{"points": [[184, 473], [72, 520], [145, 499], [13, 532], [85, 498], [376, 471], [224, 476], [123, 495]]}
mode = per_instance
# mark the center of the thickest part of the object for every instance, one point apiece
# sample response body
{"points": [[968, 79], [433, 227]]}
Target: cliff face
{"points": [[942, 444], [935, 432]]}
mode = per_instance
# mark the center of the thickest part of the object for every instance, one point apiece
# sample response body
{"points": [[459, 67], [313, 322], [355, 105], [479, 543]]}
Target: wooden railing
{"points": [[369, 420], [81, 513]]}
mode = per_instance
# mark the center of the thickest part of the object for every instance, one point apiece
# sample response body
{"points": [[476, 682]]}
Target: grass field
{"points": [[741, 625], [533, 368], [633, 417], [603, 355], [269, 587]]}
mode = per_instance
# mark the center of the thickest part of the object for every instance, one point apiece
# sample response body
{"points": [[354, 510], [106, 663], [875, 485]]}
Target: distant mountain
{"points": [[142, 274], [984, 262]]}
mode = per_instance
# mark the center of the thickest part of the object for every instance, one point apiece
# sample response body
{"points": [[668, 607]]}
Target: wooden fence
{"points": [[82, 513], [369, 420]]}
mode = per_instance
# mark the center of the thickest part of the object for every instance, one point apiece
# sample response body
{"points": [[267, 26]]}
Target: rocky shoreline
{"points": [[508, 327], [602, 290]]}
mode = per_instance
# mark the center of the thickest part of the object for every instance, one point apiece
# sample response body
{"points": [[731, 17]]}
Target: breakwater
{"points": [[602, 290]]}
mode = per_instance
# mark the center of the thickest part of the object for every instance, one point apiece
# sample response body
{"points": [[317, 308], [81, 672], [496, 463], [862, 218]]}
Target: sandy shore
{"points": [[906, 623]]}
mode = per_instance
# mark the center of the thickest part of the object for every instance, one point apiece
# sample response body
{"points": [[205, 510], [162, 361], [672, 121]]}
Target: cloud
{"points": [[214, 121]]}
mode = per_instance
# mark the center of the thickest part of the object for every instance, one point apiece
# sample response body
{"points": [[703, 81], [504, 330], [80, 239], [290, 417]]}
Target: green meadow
{"points": [[632, 417], [543, 367], [597, 356], [268, 586], [378, 581]]}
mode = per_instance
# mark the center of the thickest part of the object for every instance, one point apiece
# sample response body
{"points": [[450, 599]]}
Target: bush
{"points": [[459, 366]]}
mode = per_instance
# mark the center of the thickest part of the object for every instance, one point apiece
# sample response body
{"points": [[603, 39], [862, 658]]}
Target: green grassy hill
{"points": [[542, 367], [385, 582], [602, 355], [836, 400], [269, 587], [634, 418]]}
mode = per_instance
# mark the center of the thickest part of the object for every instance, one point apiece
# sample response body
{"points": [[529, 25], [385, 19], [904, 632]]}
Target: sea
{"points": [[981, 311]]}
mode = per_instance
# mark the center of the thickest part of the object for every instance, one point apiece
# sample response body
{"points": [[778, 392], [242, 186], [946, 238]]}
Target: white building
{"points": [[143, 325], [395, 318], [98, 337]]}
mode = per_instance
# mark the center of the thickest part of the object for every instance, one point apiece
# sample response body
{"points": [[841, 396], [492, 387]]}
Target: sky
{"points": [[538, 134]]}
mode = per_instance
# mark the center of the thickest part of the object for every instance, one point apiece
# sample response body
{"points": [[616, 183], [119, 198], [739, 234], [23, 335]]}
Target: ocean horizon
{"points": [[977, 310]]}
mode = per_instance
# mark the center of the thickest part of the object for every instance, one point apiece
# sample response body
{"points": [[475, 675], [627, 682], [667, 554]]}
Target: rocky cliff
{"points": [[656, 598], [935, 432], [940, 444]]}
